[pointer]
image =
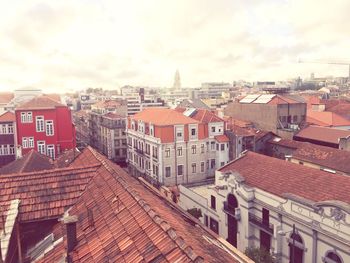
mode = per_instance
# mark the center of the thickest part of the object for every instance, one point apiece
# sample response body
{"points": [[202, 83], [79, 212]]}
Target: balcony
{"points": [[139, 151], [258, 222], [232, 211]]}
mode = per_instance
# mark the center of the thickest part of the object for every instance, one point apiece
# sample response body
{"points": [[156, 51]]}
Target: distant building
{"points": [[118, 107], [8, 143], [211, 90], [295, 212], [171, 147], [331, 137], [45, 125], [5, 99], [193, 103], [177, 81], [81, 122], [280, 114]]}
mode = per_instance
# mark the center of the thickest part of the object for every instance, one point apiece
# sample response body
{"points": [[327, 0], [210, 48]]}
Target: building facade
{"points": [[46, 126], [7, 138], [276, 209], [171, 147]]}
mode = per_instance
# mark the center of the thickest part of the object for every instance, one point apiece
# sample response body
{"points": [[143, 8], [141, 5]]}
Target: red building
{"points": [[45, 125], [7, 138]]}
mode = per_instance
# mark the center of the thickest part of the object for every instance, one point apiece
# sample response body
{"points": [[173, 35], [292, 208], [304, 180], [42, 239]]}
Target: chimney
{"points": [[71, 228]]}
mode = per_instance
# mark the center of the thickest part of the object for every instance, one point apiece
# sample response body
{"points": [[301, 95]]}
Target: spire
{"points": [[177, 81]]}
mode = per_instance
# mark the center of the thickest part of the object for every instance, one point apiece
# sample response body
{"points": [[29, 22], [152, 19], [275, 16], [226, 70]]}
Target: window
{"points": [[214, 225], [167, 171], [222, 164], [179, 151], [5, 150], [23, 117], [332, 257], [41, 147], [31, 142], [49, 128], [212, 145], [167, 152], [29, 117], [213, 202], [202, 167], [212, 129], [180, 170], [202, 148], [193, 132], [3, 129], [295, 118], [51, 151], [194, 150], [222, 147], [10, 128], [39, 124], [155, 152], [194, 168], [179, 133], [217, 146], [212, 163], [24, 142]]}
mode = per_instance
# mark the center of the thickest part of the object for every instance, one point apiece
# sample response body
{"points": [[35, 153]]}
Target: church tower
{"points": [[177, 81]]}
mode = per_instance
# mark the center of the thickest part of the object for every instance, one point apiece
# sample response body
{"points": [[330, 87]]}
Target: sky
{"points": [[71, 45]]}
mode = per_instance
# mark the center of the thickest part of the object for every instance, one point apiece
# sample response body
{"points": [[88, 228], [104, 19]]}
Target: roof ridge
{"points": [[164, 225], [64, 169]]}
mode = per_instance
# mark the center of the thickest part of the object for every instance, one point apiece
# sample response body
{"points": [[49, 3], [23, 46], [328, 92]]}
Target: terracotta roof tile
{"points": [[8, 117], [323, 134], [326, 157], [40, 102], [162, 117], [206, 116], [32, 161], [222, 138], [45, 194], [326, 119], [281, 177], [131, 223]]}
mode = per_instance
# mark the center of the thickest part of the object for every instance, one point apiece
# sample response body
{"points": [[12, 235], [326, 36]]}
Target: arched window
{"points": [[332, 257], [296, 248]]}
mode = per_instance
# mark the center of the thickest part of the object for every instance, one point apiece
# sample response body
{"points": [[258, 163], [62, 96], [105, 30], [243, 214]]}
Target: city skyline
{"points": [[62, 46]]}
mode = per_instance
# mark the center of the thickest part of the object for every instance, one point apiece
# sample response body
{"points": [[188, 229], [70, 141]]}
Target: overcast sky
{"points": [[64, 45]]}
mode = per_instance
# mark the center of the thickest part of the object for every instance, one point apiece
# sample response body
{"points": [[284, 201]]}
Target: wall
{"points": [[264, 116]]}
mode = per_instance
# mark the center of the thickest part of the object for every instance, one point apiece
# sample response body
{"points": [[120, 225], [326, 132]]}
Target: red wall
{"points": [[64, 130]]}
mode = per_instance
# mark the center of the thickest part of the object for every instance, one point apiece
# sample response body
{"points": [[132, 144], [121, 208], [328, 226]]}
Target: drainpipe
{"points": [[314, 246], [187, 161]]}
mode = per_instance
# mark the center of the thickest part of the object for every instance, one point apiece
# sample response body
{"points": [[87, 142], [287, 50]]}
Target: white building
{"points": [[256, 200]]}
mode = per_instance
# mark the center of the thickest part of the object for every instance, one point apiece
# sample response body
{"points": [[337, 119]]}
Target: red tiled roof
{"points": [[206, 116], [108, 103], [281, 177], [40, 102], [31, 162], [162, 117], [323, 134], [236, 122], [54, 96], [222, 138], [342, 110], [8, 117], [326, 119], [112, 115], [130, 223], [6, 97], [45, 194]]}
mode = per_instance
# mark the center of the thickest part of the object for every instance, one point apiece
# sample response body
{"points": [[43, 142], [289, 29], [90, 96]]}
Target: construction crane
{"points": [[347, 63]]}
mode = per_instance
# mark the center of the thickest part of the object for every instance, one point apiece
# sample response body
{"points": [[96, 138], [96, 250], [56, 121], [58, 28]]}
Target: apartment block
{"points": [[171, 147], [7, 138]]}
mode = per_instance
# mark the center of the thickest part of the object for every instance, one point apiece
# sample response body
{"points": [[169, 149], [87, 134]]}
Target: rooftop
{"points": [[7, 117], [162, 117], [280, 177], [326, 157], [323, 134], [122, 219], [326, 119], [30, 162], [40, 102], [271, 99]]}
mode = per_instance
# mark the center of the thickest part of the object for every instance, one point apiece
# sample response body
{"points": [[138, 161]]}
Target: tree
{"points": [[259, 255], [195, 212]]}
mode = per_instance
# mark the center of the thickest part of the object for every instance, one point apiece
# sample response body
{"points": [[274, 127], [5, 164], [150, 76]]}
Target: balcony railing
{"points": [[257, 221]]}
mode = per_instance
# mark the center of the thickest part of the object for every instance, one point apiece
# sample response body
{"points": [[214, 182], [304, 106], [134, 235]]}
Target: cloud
{"points": [[75, 44]]}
